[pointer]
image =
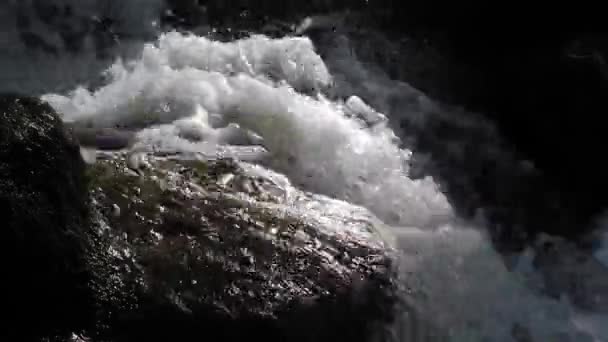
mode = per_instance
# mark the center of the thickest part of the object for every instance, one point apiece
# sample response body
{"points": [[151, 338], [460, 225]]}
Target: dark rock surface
{"points": [[43, 198], [218, 249], [156, 248]]}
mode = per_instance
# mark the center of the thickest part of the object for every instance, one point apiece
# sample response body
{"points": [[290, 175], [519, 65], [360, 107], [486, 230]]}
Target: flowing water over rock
{"points": [[332, 123], [213, 245]]}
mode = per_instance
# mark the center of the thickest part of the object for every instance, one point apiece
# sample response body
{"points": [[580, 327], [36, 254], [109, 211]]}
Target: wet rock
{"points": [[232, 250], [43, 207]]}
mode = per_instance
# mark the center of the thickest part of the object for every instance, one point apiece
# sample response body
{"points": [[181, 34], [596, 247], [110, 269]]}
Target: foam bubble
{"points": [[253, 83]]}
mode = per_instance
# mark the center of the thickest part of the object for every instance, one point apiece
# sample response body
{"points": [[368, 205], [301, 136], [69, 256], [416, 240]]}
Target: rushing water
{"points": [[184, 92]]}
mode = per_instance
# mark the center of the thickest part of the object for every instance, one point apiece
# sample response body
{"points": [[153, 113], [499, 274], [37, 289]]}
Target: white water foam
{"points": [[455, 277], [310, 139], [185, 89]]}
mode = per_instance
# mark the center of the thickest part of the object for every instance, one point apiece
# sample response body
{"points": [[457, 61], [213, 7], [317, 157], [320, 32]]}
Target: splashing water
{"points": [[187, 93], [310, 138]]}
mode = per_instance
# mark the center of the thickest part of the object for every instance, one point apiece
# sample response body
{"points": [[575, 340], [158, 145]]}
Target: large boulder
{"points": [[43, 207], [155, 248], [231, 251]]}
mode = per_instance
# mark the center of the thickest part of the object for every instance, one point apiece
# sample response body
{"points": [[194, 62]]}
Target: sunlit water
{"points": [[190, 93]]}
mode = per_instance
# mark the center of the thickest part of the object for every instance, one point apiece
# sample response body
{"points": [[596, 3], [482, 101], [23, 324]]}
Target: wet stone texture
{"points": [[233, 251], [141, 247], [44, 218]]}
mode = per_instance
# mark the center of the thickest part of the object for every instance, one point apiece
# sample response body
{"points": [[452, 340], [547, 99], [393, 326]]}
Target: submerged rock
{"points": [[43, 209], [232, 250]]}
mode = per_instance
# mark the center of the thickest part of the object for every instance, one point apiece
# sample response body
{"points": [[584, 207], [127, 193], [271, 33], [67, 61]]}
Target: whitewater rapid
{"points": [[190, 93]]}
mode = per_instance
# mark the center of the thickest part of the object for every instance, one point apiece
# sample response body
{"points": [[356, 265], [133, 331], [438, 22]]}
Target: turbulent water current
{"points": [[279, 103]]}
